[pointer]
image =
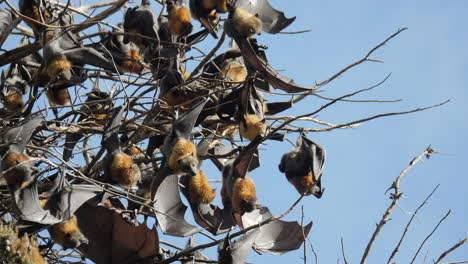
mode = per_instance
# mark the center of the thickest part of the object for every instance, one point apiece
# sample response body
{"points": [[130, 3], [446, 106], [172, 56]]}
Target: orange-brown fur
{"points": [[234, 72], [181, 149], [121, 170], [57, 65], [200, 190], [229, 131], [58, 232], [133, 150], [246, 23], [179, 21], [58, 96], [35, 14], [253, 127], [243, 190], [132, 63], [36, 256], [302, 184], [175, 97], [13, 174], [184, 72], [13, 101], [219, 5]]}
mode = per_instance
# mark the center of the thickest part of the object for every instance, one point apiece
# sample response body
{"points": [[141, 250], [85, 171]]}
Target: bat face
{"points": [[12, 87], [68, 234], [303, 167]]}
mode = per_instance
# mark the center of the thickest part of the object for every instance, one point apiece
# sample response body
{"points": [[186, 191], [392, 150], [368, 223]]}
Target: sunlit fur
{"points": [[200, 190], [234, 72], [123, 170], [132, 63], [133, 150], [136, 39], [219, 5], [67, 234], [184, 72], [252, 126], [179, 21], [59, 65], [181, 150], [302, 184], [16, 170], [229, 131], [243, 195], [13, 101], [58, 96]]}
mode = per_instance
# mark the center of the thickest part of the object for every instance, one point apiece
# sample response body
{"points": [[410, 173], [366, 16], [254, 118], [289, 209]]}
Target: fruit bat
{"points": [[126, 55], [12, 88], [140, 20], [8, 21], [38, 10], [303, 166], [228, 66], [253, 17], [179, 151], [67, 234], [96, 107], [168, 206], [119, 167], [112, 239], [238, 189], [179, 18], [195, 257], [206, 11], [276, 237], [16, 165], [62, 50], [29, 65], [238, 251], [200, 194]]}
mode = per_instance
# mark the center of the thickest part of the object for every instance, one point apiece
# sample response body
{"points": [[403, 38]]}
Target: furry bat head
{"points": [[238, 251], [303, 166], [140, 20], [206, 12], [179, 18], [67, 234], [12, 88], [227, 66], [277, 237]]}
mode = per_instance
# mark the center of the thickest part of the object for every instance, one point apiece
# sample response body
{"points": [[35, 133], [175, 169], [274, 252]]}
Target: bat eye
{"points": [[179, 161]]}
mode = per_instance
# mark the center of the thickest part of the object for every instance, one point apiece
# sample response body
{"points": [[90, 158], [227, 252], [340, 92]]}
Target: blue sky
{"points": [[428, 63]]}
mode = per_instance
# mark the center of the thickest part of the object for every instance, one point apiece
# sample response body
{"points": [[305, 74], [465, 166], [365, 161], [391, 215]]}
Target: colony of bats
{"points": [[80, 166]]}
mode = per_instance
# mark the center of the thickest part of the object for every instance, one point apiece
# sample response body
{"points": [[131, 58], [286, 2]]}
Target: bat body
{"points": [[245, 23], [126, 55], [67, 234], [200, 190], [12, 88], [179, 18], [37, 10], [238, 188], [58, 96], [118, 166], [252, 112], [16, 165], [228, 66], [179, 150], [303, 166], [140, 20], [205, 12]]}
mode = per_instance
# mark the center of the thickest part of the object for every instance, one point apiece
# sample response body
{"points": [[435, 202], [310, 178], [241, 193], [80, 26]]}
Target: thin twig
{"points": [[448, 251], [343, 252]]}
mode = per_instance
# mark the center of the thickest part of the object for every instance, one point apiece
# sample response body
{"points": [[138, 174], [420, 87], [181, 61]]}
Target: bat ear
{"points": [[183, 126], [243, 162]]}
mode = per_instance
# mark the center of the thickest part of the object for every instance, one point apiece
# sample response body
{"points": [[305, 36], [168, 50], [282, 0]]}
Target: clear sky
{"points": [[429, 65]]}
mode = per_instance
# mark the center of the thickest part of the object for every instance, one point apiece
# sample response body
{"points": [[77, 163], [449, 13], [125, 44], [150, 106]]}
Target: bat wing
{"points": [[110, 139], [277, 237], [183, 126], [243, 162], [274, 78], [220, 149], [19, 136], [273, 21], [170, 210], [197, 255], [214, 219], [70, 142], [318, 155], [171, 79], [238, 251], [112, 239], [278, 107], [8, 21], [87, 55]]}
